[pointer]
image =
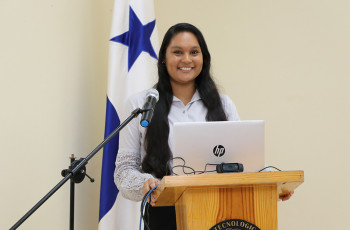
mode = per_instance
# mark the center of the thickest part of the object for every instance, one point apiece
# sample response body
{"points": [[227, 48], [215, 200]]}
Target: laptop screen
{"points": [[202, 143]]}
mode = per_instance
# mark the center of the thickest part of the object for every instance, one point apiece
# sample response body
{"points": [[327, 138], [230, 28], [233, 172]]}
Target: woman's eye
{"points": [[195, 52], [177, 52]]}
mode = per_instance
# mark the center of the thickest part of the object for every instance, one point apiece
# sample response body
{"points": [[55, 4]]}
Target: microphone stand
{"points": [[77, 178], [76, 172]]}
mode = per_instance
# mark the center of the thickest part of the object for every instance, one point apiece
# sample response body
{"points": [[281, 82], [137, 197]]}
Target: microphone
{"points": [[152, 97]]}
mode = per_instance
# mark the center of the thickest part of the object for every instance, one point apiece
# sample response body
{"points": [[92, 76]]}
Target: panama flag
{"points": [[132, 68]]}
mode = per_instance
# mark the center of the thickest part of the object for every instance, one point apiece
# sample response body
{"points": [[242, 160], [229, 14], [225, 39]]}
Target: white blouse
{"points": [[128, 175]]}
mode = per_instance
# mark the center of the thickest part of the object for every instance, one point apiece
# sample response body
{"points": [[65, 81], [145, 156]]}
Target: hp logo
{"points": [[219, 150]]}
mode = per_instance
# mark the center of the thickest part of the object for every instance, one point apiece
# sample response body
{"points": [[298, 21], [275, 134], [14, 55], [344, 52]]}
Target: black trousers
{"points": [[160, 218]]}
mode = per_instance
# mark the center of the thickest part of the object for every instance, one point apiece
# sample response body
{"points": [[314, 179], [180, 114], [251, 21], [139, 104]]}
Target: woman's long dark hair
{"points": [[156, 140]]}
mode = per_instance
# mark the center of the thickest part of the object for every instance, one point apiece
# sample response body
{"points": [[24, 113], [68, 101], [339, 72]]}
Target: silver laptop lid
{"points": [[199, 143]]}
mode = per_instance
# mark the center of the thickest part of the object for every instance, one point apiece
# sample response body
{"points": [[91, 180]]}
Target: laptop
{"points": [[201, 143]]}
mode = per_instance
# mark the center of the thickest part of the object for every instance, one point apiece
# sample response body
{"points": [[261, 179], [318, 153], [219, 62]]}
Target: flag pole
{"points": [[76, 170]]}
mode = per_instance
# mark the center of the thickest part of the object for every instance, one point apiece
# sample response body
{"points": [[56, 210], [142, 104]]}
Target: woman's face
{"points": [[183, 59]]}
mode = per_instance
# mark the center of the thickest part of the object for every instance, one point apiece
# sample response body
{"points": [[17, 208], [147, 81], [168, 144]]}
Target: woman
{"points": [[186, 93]]}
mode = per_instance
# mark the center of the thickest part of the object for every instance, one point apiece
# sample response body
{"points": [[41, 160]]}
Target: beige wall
{"points": [[53, 69], [282, 61]]}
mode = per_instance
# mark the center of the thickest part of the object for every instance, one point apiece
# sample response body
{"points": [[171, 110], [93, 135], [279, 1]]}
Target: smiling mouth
{"points": [[185, 68]]}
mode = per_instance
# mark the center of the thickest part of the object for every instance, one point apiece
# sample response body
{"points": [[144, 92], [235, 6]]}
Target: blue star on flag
{"points": [[138, 38]]}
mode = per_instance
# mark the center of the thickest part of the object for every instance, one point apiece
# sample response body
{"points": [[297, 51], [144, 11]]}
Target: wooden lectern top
{"points": [[171, 187]]}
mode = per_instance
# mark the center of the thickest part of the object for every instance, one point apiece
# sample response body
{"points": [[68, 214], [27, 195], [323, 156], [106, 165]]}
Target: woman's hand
{"points": [[286, 196], [148, 185]]}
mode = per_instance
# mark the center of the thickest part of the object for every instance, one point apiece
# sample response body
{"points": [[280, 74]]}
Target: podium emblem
{"points": [[234, 224]]}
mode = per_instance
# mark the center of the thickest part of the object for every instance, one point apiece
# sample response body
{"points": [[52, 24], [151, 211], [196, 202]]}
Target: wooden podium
{"points": [[202, 201]]}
